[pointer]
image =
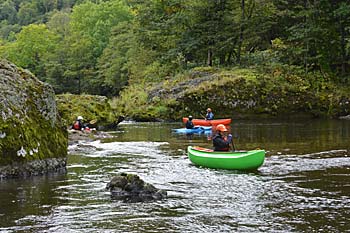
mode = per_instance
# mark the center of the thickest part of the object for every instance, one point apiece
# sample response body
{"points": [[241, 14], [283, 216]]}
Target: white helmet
{"points": [[80, 118]]}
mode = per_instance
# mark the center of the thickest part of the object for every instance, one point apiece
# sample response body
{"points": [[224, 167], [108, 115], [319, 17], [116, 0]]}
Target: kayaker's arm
{"points": [[220, 144], [229, 139]]}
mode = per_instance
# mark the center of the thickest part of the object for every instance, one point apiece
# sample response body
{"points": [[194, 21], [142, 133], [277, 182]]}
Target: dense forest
{"points": [[102, 46]]}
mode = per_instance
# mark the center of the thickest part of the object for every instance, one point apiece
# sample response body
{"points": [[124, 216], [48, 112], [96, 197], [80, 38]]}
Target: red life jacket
{"points": [[76, 125]]}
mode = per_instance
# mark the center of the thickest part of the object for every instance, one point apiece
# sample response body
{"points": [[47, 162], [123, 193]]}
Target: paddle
{"points": [[233, 145], [92, 122]]}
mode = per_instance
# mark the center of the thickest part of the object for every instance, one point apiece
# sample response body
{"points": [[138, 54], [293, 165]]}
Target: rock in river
{"points": [[131, 188]]}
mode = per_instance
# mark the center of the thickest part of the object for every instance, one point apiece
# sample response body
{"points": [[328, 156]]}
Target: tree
{"points": [[32, 44], [316, 34], [89, 33], [8, 12], [342, 15], [159, 26], [209, 31], [6, 29], [56, 62], [27, 13], [59, 23], [95, 21], [113, 69]]}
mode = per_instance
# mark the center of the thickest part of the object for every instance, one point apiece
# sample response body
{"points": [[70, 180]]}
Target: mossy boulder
{"points": [[91, 107], [246, 93], [30, 127]]}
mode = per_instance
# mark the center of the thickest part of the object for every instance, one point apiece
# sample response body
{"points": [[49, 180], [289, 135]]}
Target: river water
{"points": [[303, 186]]}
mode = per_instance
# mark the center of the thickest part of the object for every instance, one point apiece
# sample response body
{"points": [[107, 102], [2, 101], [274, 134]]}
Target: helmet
{"points": [[208, 109], [190, 117], [80, 118], [221, 127]]}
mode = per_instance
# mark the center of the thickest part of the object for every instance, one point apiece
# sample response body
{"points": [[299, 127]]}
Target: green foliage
{"points": [[91, 107], [208, 69], [135, 103], [113, 64], [32, 45], [7, 30], [59, 23], [8, 12], [27, 13], [102, 47], [84, 40], [95, 21]]}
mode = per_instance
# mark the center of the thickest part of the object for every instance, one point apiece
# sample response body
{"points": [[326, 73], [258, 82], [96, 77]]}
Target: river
{"points": [[303, 185]]}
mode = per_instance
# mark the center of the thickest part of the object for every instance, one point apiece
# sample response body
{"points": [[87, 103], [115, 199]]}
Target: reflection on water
{"points": [[304, 185]]}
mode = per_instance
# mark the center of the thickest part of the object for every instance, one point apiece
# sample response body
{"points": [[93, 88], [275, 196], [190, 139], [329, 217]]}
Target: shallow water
{"points": [[303, 186]]}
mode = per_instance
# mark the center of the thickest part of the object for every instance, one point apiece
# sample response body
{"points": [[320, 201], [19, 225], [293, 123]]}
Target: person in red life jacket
{"points": [[209, 115], [220, 141], [78, 124], [189, 123]]}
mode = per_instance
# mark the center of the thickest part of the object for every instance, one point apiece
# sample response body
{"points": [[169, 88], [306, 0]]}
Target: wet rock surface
{"points": [[130, 188], [33, 168], [76, 136], [33, 139]]}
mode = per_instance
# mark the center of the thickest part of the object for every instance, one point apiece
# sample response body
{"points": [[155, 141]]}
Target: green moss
{"points": [[91, 107], [29, 124], [274, 91]]}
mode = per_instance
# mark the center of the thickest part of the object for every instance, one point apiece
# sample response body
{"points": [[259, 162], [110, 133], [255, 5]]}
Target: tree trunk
{"points": [[307, 40], [343, 50], [210, 57], [228, 61], [222, 59], [240, 42], [79, 83]]}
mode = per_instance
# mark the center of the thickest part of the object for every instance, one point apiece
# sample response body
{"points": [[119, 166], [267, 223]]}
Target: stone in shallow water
{"points": [[131, 188]]}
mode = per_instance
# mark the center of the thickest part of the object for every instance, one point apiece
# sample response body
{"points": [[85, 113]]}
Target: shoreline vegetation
{"points": [[238, 93]]}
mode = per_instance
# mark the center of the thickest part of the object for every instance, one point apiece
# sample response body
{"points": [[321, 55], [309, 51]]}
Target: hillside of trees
{"points": [[101, 47]]}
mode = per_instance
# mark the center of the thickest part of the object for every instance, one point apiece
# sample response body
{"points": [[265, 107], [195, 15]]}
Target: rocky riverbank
{"points": [[33, 168], [238, 93]]}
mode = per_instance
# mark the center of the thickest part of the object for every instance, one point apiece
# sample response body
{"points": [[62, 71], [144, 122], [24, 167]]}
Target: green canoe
{"points": [[238, 160]]}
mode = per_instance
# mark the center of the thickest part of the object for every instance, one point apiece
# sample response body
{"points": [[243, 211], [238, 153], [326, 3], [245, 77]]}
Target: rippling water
{"points": [[303, 186]]}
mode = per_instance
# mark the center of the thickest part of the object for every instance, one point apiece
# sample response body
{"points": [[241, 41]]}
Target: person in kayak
{"points": [[220, 141], [209, 115], [78, 124], [189, 123]]}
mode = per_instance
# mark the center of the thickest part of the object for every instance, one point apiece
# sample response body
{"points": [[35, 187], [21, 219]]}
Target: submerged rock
{"points": [[33, 139], [131, 188]]}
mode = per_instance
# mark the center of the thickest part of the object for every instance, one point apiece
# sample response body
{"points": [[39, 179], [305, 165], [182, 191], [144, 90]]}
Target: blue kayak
{"points": [[196, 129]]}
